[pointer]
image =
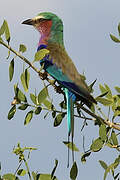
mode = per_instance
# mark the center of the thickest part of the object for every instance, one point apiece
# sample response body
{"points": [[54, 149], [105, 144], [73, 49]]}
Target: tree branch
{"points": [[105, 121]]}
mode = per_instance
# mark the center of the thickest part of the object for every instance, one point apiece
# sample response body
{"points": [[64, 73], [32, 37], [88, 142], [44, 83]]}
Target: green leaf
{"points": [[48, 104], [71, 146], [114, 138], [103, 132], [42, 95], [119, 29], [97, 145], [28, 117], [105, 91], [63, 105], [109, 94], [22, 77], [83, 158], [21, 96], [8, 54], [34, 175], [115, 39], [22, 48], [102, 89], [54, 114], [58, 119], [33, 98], [92, 108], [21, 172], [25, 78], [106, 172], [117, 159], [16, 89], [23, 107], [2, 29], [1, 40], [9, 176], [45, 177], [30, 148], [39, 55], [117, 89], [11, 69], [117, 113], [38, 110], [91, 86], [103, 164], [104, 101], [7, 32], [74, 171], [110, 167], [12, 112], [5, 29], [117, 162]]}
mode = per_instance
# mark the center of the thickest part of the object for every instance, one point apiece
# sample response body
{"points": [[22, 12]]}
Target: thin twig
{"points": [[110, 124], [18, 168], [28, 171]]}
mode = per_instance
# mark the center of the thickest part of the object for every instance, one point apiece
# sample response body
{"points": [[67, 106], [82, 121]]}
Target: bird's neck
{"points": [[43, 39], [51, 38], [51, 34]]}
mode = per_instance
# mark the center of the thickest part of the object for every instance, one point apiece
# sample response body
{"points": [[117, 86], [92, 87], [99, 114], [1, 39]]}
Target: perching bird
{"points": [[59, 65]]}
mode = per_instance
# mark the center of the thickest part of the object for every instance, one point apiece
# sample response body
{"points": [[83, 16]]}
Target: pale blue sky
{"points": [[87, 25]]}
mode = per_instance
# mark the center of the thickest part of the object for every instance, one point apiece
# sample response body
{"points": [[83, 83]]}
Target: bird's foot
{"points": [[43, 76], [58, 89]]}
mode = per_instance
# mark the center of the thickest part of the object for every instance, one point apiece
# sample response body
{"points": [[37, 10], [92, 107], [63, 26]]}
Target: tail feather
{"points": [[68, 110], [72, 125], [70, 97], [72, 116]]}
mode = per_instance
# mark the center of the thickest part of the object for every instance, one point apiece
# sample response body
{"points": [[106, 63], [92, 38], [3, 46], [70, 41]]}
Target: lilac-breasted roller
{"points": [[59, 65]]}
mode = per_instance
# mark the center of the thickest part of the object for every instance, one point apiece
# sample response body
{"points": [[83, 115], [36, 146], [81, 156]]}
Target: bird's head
{"points": [[49, 25]]}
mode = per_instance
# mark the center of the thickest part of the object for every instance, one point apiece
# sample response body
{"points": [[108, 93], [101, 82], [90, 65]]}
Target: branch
{"points": [[107, 122]]}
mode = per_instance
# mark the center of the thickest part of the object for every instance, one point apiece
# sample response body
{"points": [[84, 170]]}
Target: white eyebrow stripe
{"points": [[38, 17]]}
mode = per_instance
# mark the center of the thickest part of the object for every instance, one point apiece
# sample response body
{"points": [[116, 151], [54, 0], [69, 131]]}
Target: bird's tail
{"points": [[70, 97]]}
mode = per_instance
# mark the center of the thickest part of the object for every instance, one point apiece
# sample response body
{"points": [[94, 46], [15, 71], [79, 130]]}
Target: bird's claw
{"points": [[43, 76], [58, 89]]}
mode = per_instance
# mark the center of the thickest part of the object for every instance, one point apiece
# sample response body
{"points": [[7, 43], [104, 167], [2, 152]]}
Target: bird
{"points": [[59, 65]]}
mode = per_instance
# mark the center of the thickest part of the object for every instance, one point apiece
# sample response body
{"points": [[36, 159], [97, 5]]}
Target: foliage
{"points": [[41, 101], [20, 152]]}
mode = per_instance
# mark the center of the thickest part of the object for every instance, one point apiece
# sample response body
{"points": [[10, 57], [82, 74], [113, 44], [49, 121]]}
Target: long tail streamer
{"points": [[70, 97]]}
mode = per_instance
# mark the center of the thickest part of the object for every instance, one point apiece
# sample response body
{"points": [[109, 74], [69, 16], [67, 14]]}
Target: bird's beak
{"points": [[29, 22]]}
